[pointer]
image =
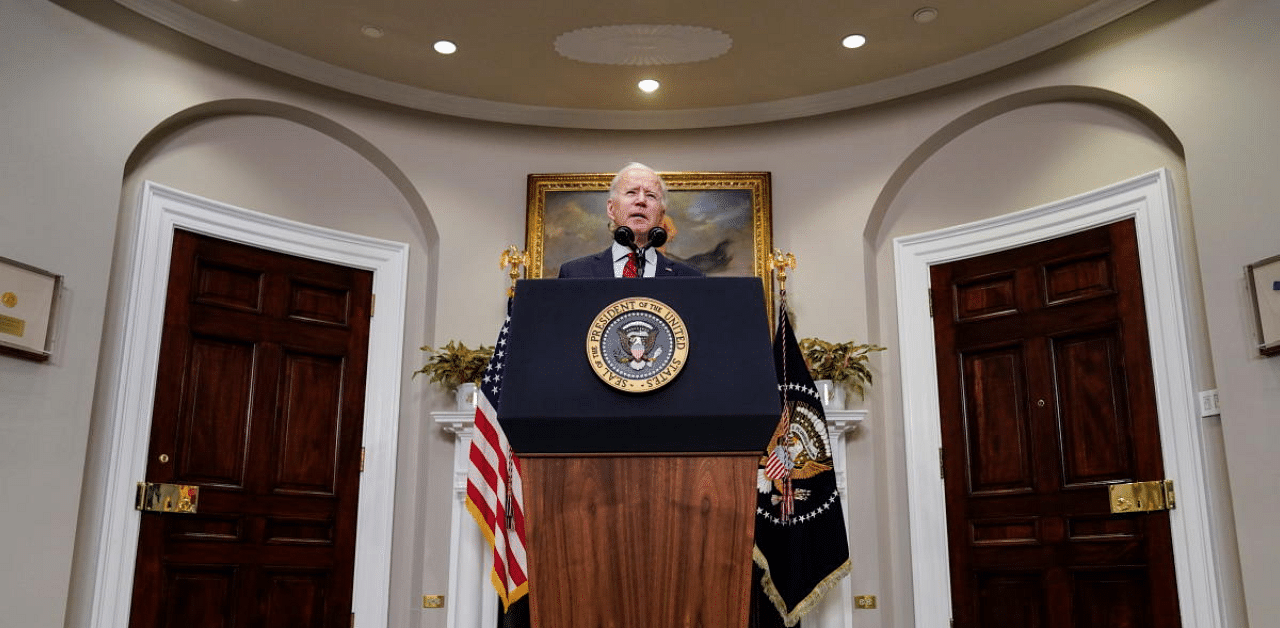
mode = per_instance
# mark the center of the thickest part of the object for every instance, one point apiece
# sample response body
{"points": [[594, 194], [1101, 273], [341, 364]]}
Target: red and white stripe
{"points": [[494, 475], [777, 468]]}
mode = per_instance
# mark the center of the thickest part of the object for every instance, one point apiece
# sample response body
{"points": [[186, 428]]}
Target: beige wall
{"points": [[87, 85]]}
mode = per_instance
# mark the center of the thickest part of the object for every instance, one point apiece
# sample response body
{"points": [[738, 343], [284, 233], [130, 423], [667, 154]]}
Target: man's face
{"points": [[638, 203]]}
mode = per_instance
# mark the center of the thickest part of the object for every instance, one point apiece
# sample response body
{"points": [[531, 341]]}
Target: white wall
{"points": [[86, 82]]}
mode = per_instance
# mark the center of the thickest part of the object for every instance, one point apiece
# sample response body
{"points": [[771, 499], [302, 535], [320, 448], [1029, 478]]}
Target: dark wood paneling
{"points": [[1102, 528], [215, 414], [1054, 394], [315, 303], [310, 423], [298, 531], [197, 597], [995, 421], [985, 297], [260, 402], [1005, 531], [206, 527], [1010, 599], [1076, 279], [639, 541], [1092, 408], [1114, 598], [294, 599], [225, 286]]}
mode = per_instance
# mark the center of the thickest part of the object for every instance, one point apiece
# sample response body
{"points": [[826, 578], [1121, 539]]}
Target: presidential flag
{"points": [[495, 495], [801, 549]]}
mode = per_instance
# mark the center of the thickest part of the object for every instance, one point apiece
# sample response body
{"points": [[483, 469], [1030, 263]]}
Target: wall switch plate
{"points": [[1209, 403]]}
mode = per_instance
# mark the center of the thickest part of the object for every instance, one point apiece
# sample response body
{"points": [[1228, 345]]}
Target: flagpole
{"points": [[779, 263]]}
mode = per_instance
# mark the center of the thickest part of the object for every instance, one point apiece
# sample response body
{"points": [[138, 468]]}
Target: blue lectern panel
{"points": [[724, 400]]}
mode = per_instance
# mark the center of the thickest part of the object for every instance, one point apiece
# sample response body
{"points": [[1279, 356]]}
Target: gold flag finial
{"points": [[514, 258], [779, 263]]}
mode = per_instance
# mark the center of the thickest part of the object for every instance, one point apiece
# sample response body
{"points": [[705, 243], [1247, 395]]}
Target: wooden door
{"points": [[259, 401], [1046, 390]]}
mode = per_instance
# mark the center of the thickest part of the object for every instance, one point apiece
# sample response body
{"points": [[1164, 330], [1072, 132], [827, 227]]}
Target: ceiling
{"points": [[576, 63]]}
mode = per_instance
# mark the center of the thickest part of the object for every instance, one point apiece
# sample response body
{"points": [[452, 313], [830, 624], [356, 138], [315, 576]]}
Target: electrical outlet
{"points": [[864, 601], [1209, 403], [433, 601]]}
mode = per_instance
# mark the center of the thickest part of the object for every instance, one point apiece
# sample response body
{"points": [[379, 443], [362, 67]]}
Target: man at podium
{"points": [[636, 206]]}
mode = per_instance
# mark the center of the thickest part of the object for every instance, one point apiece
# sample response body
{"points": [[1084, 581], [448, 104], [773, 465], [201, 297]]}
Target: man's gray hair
{"points": [[613, 185]]}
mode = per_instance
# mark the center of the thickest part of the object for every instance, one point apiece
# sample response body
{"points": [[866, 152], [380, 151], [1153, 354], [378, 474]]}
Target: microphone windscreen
{"points": [[657, 237], [625, 236]]}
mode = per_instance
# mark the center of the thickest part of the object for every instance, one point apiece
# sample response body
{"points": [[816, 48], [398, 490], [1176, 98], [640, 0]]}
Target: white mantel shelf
{"points": [[472, 603]]}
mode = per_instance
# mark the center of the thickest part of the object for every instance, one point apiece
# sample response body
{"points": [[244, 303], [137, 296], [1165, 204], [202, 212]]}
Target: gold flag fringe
{"points": [[810, 601]]}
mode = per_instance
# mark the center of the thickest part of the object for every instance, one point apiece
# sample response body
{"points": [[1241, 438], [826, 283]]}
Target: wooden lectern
{"points": [[639, 506]]}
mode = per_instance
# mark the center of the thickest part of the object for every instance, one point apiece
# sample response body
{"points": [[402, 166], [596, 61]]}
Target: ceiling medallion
{"points": [[643, 44]]}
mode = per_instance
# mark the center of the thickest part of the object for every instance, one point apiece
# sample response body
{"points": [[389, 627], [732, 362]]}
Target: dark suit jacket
{"points": [[601, 265]]}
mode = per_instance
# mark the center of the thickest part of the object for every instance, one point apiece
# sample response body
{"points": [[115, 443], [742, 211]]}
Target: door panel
{"points": [[215, 412], [1000, 448], [259, 402], [1091, 404], [1047, 398]]}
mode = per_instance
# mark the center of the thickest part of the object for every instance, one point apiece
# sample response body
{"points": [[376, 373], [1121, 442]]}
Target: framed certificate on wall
{"points": [[1264, 287], [28, 301]]}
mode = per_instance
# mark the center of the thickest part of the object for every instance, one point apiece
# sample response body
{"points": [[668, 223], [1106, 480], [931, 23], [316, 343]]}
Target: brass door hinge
{"points": [[362, 459], [930, 302], [373, 305], [942, 463], [1141, 496]]}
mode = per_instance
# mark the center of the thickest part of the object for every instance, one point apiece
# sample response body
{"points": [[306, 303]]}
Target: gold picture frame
{"points": [[1264, 289], [719, 222], [28, 304]]}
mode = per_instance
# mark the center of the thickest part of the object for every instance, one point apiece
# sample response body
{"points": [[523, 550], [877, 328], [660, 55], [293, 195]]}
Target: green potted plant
{"points": [[457, 368], [836, 366]]}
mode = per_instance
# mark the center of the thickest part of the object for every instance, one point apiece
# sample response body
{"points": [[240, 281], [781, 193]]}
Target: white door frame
{"points": [[1148, 199], [161, 210]]}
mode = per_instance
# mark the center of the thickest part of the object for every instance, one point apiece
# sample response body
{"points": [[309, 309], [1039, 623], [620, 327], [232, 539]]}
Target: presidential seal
{"points": [[637, 344]]}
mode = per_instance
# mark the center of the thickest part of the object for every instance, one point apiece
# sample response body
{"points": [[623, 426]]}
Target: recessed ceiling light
{"points": [[924, 15], [445, 47], [648, 86], [854, 41], [371, 31]]}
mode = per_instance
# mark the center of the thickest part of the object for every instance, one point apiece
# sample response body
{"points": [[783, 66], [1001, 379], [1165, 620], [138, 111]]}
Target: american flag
{"points": [[495, 494], [780, 463]]}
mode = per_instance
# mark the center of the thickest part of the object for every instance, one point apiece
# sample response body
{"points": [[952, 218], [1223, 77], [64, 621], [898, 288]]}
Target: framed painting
{"points": [[28, 302], [718, 222], [1264, 288]]}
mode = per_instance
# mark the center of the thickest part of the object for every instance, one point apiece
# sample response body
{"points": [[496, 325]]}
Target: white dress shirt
{"points": [[620, 260]]}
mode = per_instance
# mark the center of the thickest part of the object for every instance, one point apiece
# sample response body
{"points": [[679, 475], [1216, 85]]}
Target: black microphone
{"points": [[657, 237], [626, 237]]}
